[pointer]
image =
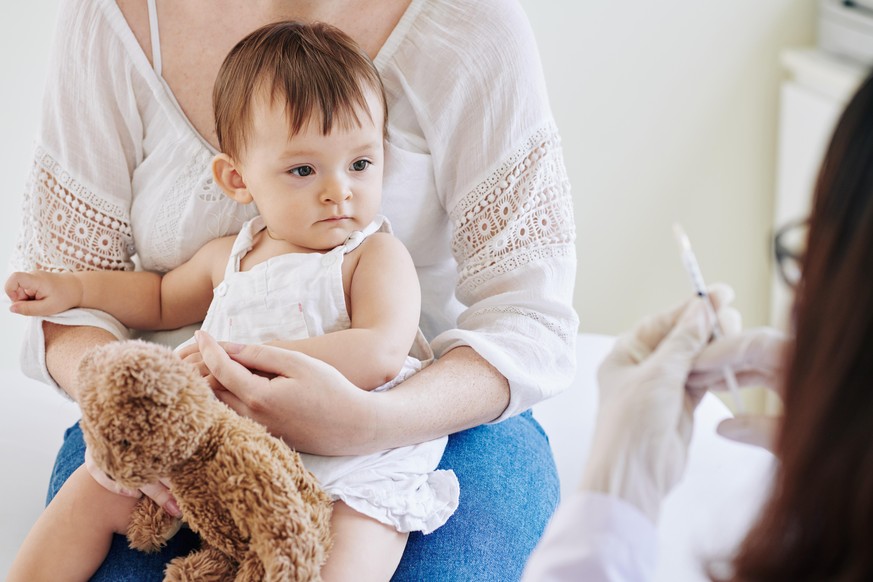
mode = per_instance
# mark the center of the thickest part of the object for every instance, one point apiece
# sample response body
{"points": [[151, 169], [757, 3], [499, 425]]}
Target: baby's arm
{"points": [[384, 300], [139, 299]]}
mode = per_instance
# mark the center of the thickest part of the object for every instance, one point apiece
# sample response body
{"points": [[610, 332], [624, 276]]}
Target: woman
{"points": [[474, 185], [818, 521]]}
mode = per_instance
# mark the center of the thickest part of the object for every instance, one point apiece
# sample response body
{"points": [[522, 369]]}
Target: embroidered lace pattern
{"points": [[66, 227], [521, 213]]}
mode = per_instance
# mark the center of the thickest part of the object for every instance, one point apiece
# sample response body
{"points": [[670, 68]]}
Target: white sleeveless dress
{"points": [[300, 295]]}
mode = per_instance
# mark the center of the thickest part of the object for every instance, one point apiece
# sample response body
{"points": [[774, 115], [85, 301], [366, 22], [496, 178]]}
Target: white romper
{"points": [[300, 295]]}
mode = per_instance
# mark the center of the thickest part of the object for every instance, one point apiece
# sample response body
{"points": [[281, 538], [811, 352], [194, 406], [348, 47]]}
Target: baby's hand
{"points": [[43, 293]]}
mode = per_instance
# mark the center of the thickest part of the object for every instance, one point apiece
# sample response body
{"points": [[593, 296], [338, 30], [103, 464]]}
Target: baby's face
{"points": [[312, 189]]}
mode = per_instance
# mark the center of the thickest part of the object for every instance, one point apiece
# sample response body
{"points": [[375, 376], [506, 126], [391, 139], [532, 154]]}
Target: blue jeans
{"points": [[509, 490]]}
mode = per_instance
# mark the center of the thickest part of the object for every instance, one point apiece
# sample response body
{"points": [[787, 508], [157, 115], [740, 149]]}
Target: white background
{"points": [[667, 109]]}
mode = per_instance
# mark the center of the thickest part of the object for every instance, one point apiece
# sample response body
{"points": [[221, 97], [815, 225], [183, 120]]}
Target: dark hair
{"points": [[818, 522], [313, 68]]}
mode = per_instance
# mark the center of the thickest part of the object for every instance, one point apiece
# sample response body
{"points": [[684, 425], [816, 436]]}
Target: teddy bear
{"points": [[146, 414]]}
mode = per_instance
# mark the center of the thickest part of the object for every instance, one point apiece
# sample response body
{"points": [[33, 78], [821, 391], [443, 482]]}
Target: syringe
{"points": [[693, 268]]}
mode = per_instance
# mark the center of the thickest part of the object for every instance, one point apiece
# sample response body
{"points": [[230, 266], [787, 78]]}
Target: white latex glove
{"points": [[159, 492], [757, 357], [645, 413]]}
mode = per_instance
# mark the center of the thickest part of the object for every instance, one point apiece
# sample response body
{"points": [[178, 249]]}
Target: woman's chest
{"points": [[176, 206]]}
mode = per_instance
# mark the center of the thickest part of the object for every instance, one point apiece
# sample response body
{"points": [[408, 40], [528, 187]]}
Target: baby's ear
{"points": [[228, 177]]}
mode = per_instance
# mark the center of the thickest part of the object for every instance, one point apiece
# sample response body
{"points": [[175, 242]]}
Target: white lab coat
{"points": [[595, 537]]}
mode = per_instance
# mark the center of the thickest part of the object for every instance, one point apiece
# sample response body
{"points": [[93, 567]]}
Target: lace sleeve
{"points": [[66, 227], [522, 213], [500, 175], [513, 240], [76, 206]]}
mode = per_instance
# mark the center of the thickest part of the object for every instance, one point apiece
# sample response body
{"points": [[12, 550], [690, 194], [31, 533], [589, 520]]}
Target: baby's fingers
{"points": [[16, 287], [161, 495], [32, 307]]}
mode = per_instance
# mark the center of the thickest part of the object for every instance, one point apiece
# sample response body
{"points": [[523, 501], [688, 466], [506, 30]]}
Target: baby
{"points": [[301, 119]]}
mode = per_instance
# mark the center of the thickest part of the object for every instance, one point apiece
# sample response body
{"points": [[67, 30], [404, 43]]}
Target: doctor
{"points": [[818, 521]]}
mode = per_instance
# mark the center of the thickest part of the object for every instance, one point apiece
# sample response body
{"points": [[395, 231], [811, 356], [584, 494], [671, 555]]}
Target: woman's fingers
{"points": [[756, 356], [757, 430], [160, 494], [268, 360], [103, 479], [233, 402], [233, 376], [715, 380]]}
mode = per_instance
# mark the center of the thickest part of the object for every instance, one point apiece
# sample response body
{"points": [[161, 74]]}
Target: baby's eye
{"points": [[302, 171], [361, 165]]}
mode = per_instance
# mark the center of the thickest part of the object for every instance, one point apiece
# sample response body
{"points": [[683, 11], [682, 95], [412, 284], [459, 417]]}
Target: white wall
{"points": [[667, 111], [26, 30]]}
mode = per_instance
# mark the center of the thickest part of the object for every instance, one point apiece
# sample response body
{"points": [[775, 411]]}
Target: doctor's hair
{"points": [[317, 71], [818, 522]]}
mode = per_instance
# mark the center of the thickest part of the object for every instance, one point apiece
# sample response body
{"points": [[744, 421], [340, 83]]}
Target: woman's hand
{"points": [[306, 402], [159, 492], [645, 413], [757, 357]]}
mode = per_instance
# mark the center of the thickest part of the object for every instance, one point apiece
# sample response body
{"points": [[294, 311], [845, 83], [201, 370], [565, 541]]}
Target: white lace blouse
{"points": [[475, 184]]}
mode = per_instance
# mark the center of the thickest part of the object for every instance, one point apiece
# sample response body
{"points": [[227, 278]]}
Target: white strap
{"points": [[243, 244], [355, 238], [156, 37]]}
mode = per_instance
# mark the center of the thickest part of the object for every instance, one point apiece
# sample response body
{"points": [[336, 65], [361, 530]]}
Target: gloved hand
{"points": [[757, 357], [645, 413]]}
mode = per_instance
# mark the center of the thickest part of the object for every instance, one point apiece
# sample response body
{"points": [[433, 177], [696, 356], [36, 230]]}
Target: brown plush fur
{"points": [[146, 414]]}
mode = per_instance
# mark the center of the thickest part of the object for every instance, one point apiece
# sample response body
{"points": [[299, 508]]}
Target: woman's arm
{"points": [[64, 347], [459, 391], [499, 175]]}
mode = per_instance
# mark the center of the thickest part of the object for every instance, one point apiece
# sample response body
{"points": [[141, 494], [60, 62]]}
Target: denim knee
{"points": [[509, 491]]}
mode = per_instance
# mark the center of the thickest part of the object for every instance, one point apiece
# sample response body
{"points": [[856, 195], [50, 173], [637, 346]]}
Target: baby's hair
{"points": [[316, 69]]}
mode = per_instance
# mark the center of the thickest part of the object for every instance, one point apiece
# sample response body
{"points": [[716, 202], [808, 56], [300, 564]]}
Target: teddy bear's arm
{"points": [[260, 491], [150, 526], [204, 564]]}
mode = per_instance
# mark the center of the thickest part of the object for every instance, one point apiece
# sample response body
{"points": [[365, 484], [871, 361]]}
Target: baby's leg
{"points": [[363, 548], [72, 536]]}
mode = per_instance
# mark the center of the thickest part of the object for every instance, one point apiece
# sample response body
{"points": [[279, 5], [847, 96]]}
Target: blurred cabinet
{"points": [[814, 93]]}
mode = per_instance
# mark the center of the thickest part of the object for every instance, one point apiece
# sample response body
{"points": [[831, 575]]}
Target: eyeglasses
{"points": [[789, 244]]}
